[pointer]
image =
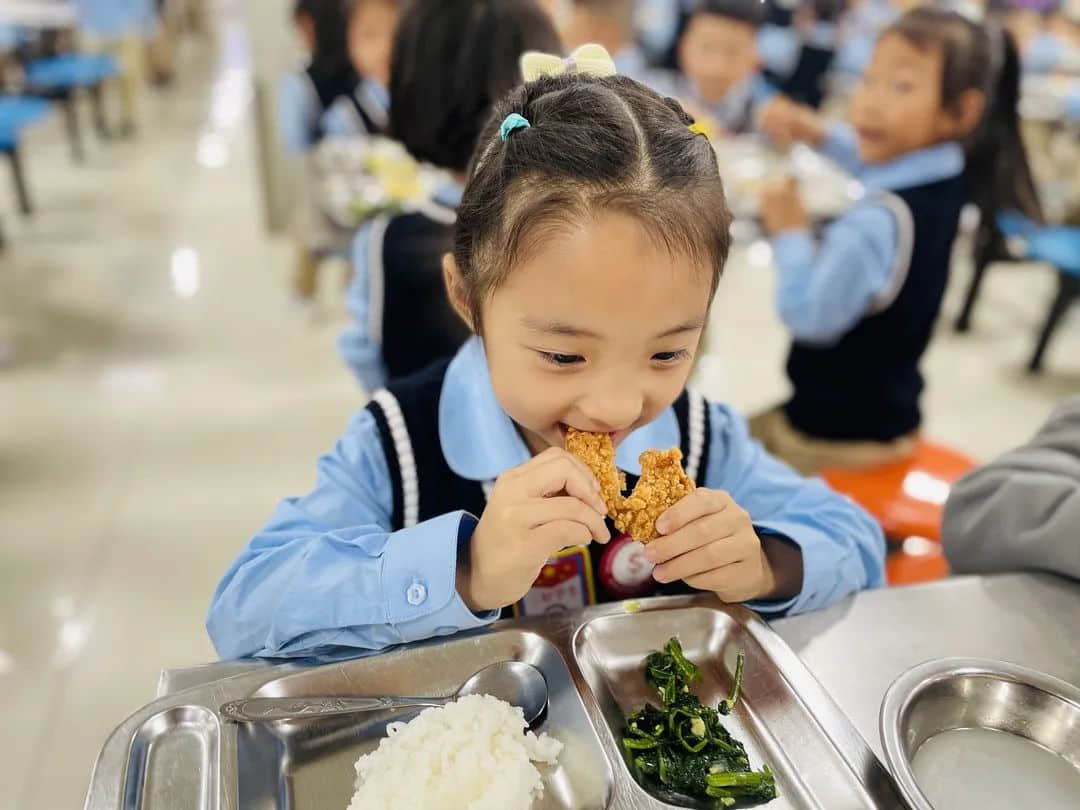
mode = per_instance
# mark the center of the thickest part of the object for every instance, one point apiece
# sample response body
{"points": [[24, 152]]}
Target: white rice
{"points": [[468, 755]]}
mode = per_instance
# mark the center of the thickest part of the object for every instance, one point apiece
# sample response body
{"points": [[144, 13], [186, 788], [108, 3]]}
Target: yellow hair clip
{"points": [[590, 60], [699, 128]]}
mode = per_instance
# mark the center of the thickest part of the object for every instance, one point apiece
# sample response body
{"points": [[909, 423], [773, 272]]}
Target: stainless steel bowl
{"points": [[969, 693]]}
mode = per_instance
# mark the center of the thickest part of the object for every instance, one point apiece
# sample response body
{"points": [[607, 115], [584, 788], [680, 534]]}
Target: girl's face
{"points": [[596, 331], [896, 107], [371, 38]]}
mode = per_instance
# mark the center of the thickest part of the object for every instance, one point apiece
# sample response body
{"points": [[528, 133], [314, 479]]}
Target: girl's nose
{"points": [[608, 412]]}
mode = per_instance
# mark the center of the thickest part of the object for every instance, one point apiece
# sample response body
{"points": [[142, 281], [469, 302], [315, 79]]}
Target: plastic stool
{"points": [[906, 497]]}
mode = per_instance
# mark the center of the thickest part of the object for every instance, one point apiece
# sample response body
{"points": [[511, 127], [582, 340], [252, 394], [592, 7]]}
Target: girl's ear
{"points": [[455, 290], [969, 110]]}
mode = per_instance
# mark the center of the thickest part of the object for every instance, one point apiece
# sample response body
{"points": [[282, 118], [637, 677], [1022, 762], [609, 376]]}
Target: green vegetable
{"points": [[682, 747]]}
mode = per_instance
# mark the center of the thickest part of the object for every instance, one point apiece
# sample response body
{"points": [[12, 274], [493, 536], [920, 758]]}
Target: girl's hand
{"points": [[782, 208], [786, 121], [550, 502], [710, 543]]}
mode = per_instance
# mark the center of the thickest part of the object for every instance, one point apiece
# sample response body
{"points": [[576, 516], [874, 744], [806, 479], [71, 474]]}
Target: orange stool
{"points": [[906, 497], [915, 560]]}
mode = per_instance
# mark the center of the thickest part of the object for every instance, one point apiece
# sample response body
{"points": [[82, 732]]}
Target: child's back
{"points": [[451, 60]]}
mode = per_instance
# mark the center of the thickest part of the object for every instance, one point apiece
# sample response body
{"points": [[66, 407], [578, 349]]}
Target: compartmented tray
{"points": [[177, 753]]}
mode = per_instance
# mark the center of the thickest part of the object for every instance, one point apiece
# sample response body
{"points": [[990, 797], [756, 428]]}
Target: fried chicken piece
{"points": [[598, 453], [663, 484]]}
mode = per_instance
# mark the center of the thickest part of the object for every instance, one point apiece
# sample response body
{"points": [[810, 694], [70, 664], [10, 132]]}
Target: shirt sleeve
{"points": [[841, 147], [843, 549], [825, 289], [360, 344], [327, 572], [1021, 511], [296, 114]]}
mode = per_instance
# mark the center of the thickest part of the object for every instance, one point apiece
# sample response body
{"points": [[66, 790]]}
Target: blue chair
{"points": [[1056, 245], [16, 112], [60, 77]]}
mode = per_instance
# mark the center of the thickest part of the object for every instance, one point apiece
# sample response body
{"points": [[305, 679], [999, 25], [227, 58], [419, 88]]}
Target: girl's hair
{"points": [[452, 60], [978, 57], [592, 145], [330, 64]]}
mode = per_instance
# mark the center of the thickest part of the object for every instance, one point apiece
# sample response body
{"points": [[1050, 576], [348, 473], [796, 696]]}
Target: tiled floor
{"points": [[163, 395]]}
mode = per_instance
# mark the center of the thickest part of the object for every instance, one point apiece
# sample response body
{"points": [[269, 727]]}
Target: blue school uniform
{"points": [[736, 111], [401, 318], [368, 558], [861, 304], [796, 62], [309, 110]]}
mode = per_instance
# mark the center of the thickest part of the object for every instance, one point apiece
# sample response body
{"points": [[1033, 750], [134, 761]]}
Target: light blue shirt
{"points": [[825, 288], [342, 120], [327, 572], [360, 345], [301, 117], [657, 24], [631, 62], [735, 111]]}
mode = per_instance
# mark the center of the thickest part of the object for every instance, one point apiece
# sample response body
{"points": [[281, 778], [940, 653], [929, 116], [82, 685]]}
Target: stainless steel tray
{"points": [[176, 752]]}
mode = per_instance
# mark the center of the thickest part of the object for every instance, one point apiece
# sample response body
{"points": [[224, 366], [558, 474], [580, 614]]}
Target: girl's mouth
{"points": [[616, 435]]}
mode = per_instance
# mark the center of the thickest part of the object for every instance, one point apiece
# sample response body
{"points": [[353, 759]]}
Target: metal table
{"points": [[859, 646]]}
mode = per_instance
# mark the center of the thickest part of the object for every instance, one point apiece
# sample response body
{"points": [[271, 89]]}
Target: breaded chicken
{"points": [[663, 482]]}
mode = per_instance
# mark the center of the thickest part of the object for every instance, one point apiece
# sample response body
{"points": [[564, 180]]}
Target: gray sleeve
{"points": [[1021, 511]]}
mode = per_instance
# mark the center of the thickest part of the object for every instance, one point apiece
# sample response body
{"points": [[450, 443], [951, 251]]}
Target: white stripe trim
{"points": [[399, 433], [376, 279], [905, 243], [697, 433], [488, 487]]}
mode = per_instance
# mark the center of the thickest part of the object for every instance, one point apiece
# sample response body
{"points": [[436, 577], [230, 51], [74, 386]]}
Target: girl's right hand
{"points": [[535, 510]]}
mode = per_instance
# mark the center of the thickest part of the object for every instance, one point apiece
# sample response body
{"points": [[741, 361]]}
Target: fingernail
{"points": [[662, 526], [659, 576], [650, 555]]}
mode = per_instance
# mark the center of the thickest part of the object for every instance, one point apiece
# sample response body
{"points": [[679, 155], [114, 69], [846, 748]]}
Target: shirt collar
{"points": [[448, 192], [480, 442], [929, 165]]}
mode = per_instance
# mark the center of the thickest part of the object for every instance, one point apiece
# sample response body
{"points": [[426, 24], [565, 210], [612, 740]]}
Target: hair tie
{"points": [[511, 124], [699, 128]]}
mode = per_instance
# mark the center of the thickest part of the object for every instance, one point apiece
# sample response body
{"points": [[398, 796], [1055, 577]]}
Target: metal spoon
{"points": [[516, 682]]}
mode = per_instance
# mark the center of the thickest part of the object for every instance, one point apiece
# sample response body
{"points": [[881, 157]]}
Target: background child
{"points": [[451, 60], [718, 55], [862, 303], [1021, 511], [589, 242]]}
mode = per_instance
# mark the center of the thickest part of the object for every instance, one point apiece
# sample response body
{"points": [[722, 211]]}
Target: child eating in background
{"points": [[452, 59], [718, 55], [861, 303], [588, 246], [610, 23]]}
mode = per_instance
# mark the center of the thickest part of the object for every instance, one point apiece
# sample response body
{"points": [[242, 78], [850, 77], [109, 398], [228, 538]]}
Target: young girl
{"points": [[862, 302], [588, 245], [452, 59]]}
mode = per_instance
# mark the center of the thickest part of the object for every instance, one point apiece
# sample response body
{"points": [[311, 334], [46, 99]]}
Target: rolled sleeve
{"points": [[843, 549]]}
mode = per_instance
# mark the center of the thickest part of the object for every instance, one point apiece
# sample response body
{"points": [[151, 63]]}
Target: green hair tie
{"points": [[511, 124]]}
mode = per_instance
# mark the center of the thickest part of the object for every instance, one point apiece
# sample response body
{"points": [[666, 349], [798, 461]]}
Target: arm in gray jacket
{"points": [[1023, 510]]}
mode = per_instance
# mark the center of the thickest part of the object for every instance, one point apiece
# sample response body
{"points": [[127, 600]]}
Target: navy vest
{"points": [[418, 324], [407, 416], [866, 386]]}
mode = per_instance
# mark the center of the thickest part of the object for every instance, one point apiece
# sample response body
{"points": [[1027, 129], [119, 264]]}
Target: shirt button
{"points": [[416, 594]]}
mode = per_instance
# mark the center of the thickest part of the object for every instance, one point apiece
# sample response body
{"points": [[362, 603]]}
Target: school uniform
{"points": [[311, 108], [1046, 52], [368, 558], [797, 62], [402, 320], [862, 303], [736, 111], [631, 62]]}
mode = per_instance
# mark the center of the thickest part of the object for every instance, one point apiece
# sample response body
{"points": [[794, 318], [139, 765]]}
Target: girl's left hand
{"points": [[782, 208], [709, 542]]}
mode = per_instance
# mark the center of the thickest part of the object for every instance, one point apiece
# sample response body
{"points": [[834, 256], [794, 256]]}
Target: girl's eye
{"points": [[562, 359], [670, 358]]}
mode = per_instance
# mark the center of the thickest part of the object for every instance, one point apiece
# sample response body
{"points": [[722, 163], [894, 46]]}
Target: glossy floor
{"points": [[161, 395]]}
